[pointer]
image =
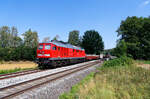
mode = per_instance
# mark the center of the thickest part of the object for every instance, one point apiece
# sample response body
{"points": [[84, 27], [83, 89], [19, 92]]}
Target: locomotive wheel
{"points": [[42, 66], [65, 62], [59, 63], [54, 64]]}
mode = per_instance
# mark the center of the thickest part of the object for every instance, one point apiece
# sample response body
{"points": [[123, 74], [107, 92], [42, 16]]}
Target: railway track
{"points": [[11, 75], [14, 90]]}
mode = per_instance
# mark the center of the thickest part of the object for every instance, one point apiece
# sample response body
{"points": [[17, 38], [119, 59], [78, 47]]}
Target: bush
{"points": [[122, 61], [29, 53], [18, 53]]}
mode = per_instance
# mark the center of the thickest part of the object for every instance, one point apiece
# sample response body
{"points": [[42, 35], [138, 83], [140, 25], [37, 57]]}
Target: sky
{"points": [[58, 17]]}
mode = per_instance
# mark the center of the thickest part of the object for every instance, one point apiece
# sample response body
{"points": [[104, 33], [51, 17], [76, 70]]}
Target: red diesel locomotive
{"points": [[58, 53]]}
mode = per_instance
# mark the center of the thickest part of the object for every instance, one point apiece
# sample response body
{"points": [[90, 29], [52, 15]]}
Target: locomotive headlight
{"points": [[47, 54], [39, 54]]}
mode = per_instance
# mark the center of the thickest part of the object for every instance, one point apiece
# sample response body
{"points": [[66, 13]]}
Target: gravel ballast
{"points": [[54, 89], [23, 78]]}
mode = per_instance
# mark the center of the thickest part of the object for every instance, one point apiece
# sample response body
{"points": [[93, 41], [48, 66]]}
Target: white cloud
{"points": [[145, 3]]}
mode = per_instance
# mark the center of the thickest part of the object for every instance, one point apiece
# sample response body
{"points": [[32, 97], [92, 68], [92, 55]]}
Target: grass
{"points": [[14, 70], [12, 65], [119, 81], [143, 64], [73, 94], [143, 61]]}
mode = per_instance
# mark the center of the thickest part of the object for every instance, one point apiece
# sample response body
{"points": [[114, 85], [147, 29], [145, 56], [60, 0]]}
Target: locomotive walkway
{"points": [[12, 90]]}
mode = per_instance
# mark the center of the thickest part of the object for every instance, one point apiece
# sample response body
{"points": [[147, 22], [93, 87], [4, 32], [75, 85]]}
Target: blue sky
{"points": [[59, 17]]}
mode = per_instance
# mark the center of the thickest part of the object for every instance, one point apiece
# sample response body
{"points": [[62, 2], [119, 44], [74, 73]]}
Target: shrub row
{"points": [[18, 53], [122, 61]]}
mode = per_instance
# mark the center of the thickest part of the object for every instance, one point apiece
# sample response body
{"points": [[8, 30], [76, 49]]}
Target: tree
{"points": [[92, 42], [74, 37], [12, 46], [9, 37], [30, 45], [46, 39], [80, 41], [136, 33], [5, 36], [30, 39], [121, 49], [56, 38], [15, 40]]}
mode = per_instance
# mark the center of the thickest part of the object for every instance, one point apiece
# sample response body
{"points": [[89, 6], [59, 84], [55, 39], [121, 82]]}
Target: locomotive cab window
{"points": [[54, 48], [47, 47], [40, 47]]}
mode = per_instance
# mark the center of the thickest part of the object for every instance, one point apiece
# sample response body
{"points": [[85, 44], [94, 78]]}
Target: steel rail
{"points": [[11, 75], [48, 78]]}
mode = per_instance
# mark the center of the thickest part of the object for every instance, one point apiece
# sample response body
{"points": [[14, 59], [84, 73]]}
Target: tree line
{"points": [[13, 47], [134, 38]]}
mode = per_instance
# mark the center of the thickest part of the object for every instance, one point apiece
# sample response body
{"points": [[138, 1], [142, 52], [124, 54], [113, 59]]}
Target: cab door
{"points": [[54, 51]]}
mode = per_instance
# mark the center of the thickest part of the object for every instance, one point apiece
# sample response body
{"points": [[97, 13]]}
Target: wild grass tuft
{"points": [[14, 70], [73, 94]]}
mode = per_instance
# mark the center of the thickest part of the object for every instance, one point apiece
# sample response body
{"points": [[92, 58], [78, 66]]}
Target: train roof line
{"points": [[64, 44]]}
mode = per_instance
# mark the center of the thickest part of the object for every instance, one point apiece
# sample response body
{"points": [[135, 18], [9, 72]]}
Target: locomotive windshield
{"points": [[47, 47], [40, 47]]}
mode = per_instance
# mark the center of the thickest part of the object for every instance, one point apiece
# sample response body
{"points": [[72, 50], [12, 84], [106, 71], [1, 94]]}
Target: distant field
{"points": [[143, 61], [143, 64], [13, 65]]}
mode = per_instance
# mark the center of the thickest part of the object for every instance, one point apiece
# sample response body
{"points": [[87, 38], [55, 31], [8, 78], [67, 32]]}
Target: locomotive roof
{"points": [[65, 44]]}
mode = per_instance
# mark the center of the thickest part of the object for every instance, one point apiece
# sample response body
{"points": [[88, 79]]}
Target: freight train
{"points": [[58, 53]]}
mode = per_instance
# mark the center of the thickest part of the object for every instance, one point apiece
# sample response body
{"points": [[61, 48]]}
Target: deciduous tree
{"points": [[135, 31], [92, 42], [30, 38], [56, 38], [5, 36], [121, 49], [46, 39], [74, 38]]}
